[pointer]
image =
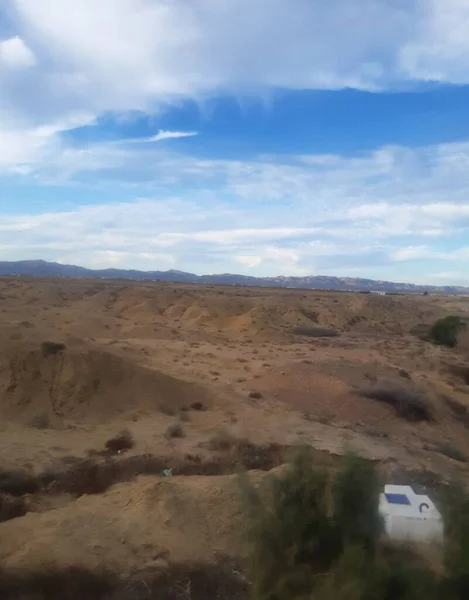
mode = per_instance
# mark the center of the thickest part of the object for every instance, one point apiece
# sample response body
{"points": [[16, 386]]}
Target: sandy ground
{"points": [[148, 356]]}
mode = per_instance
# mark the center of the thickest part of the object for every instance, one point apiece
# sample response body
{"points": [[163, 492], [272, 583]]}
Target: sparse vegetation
{"points": [[12, 507], [445, 331], [451, 451], [68, 584], [17, 483], [175, 431], [255, 395], [222, 441], [177, 582], [184, 416], [459, 410], [168, 409], [314, 331], [409, 403], [121, 442], [51, 348], [41, 421], [460, 371]]}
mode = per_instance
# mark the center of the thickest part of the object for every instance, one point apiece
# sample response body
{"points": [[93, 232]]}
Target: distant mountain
{"points": [[41, 268]]}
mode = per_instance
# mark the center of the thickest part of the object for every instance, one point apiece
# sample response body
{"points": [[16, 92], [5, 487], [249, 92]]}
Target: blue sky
{"points": [[264, 137]]}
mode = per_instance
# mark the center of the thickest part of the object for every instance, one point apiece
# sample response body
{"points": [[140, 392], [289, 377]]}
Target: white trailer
{"points": [[409, 516]]}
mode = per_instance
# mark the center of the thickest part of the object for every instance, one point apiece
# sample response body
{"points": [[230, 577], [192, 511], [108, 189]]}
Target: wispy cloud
{"points": [[169, 135], [372, 216]]}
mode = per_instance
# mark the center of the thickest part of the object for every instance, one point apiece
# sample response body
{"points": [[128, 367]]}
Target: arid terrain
{"points": [[202, 378]]}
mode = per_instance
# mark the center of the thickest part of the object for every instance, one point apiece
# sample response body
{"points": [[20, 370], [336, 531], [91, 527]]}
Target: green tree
{"points": [[355, 493], [445, 331], [291, 536]]}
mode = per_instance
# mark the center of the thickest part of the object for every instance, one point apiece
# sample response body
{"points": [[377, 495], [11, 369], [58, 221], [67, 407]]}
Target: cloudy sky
{"points": [[254, 136]]}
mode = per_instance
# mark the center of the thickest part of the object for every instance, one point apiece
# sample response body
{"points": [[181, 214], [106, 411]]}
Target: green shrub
{"points": [[51, 348], [445, 331], [313, 537], [355, 494], [175, 431], [408, 402], [451, 451], [291, 537], [120, 442]]}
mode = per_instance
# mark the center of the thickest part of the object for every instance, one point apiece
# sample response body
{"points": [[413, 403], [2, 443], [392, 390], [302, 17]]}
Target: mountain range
{"points": [[41, 268]]}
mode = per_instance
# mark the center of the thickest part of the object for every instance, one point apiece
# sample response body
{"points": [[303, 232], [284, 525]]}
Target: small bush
{"points": [[459, 410], [73, 583], [17, 483], [175, 431], [408, 403], [51, 348], [291, 537], [84, 477], [445, 331], [122, 441], [314, 331], [451, 452], [461, 371], [168, 409], [198, 406], [11, 507], [222, 441], [421, 331], [41, 421], [355, 492], [255, 395]]}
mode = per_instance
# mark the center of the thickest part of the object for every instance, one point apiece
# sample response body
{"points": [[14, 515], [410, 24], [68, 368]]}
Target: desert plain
{"points": [[127, 409]]}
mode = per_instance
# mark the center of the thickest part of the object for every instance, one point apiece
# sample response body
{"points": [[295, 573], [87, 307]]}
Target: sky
{"points": [[264, 137]]}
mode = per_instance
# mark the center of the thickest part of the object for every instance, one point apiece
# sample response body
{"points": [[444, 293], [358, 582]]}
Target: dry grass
{"points": [[41, 421], [460, 371], [407, 402], [314, 331], [51, 348], [175, 431], [451, 452], [173, 582], [459, 410], [121, 442], [222, 441], [69, 584], [12, 507], [18, 483], [95, 475]]}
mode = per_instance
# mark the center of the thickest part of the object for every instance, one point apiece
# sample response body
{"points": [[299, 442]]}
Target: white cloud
{"points": [[290, 215], [425, 252], [25, 148], [168, 135], [15, 54], [158, 137], [118, 55], [249, 261], [440, 50]]}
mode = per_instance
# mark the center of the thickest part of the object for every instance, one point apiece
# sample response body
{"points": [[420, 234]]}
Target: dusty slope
{"points": [[82, 382], [131, 525], [137, 353]]}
